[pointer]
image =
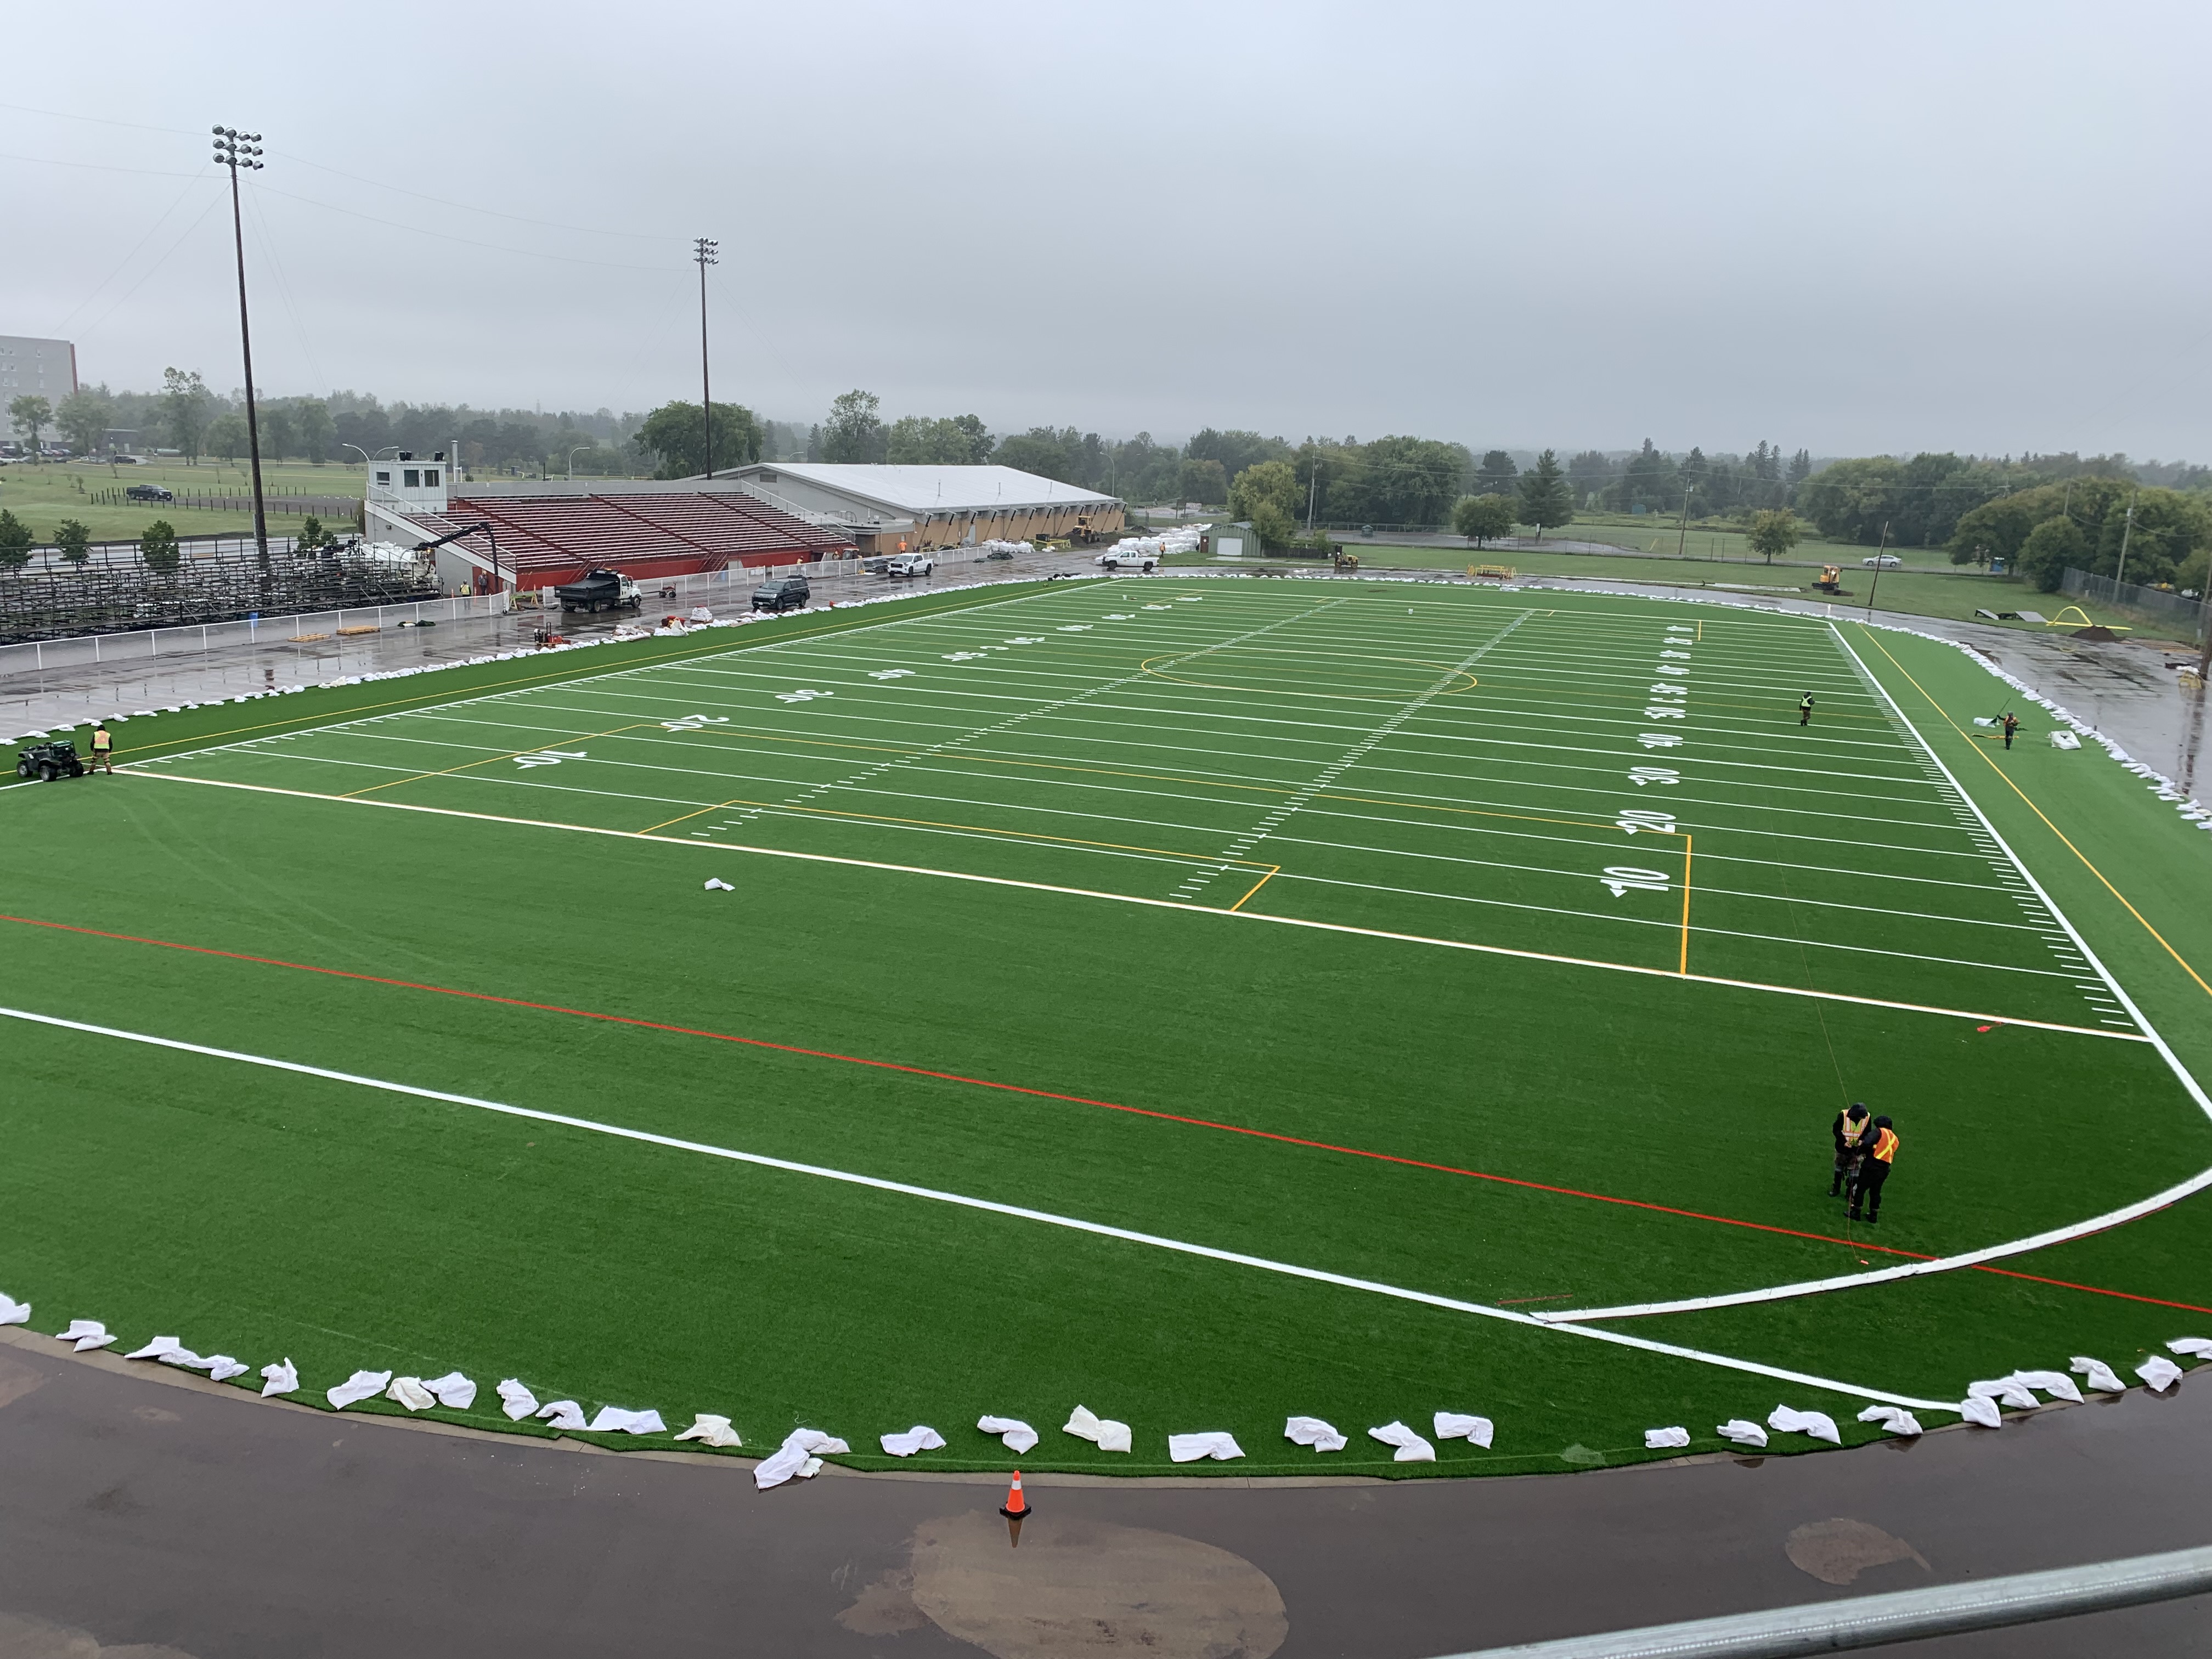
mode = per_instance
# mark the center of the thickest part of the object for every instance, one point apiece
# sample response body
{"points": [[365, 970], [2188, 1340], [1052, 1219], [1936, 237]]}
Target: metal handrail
{"points": [[1870, 1621]]}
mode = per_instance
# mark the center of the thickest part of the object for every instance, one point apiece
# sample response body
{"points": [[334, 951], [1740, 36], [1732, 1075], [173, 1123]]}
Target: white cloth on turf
{"points": [[220, 1367], [716, 885], [1660, 1440], [165, 1347], [2159, 1372], [1822, 1426], [714, 1431], [919, 1438], [409, 1392], [2055, 1383], [563, 1414], [2014, 1393], [85, 1333], [362, 1385], [1312, 1431], [2097, 1374], [1218, 1444], [1016, 1436], [1412, 1448], [280, 1379], [455, 1392], [516, 1400], [2201, 1346], [1455, 1426], [1742, 1432], [1895, 1419], [613, 1419], [796, 1455], [1975, 1408], [13, 1312], [1102, 1431]]}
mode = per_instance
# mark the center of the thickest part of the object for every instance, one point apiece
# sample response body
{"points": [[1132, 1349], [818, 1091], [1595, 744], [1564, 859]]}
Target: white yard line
{"points": [[1012, 1212]]}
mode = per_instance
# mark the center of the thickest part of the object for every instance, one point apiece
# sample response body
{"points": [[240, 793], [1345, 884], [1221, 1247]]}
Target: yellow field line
{"points": [[1984, 757], [1257, 885], [1469, 946], [1688, 843]]}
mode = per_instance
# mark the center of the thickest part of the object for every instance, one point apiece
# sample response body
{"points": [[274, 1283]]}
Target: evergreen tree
{"points": [[1548, 500], [158, 547], [1496, 475], [15, 541], [74, 542]]}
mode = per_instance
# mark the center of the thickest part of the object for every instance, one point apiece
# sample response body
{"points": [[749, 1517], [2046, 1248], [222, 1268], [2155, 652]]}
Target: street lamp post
{"points": [[235, 150], [573, 454], [702, 251]]}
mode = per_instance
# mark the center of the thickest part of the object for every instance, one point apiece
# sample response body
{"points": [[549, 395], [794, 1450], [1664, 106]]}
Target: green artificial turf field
{"points": [[1203, 1001]]}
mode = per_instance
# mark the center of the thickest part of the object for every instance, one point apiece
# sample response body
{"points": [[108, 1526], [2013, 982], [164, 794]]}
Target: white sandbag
{"points": [[362, 1385], [714, 1431], [796, 1457], [1312, 1431], [1216, 1444], [455, 1392], [1412, 1448], [1015, 1435], [613, 1419], [1819, 1424], [516, 1400], [563, 1414], [1975, 1408], [409, 1392], [83, 1333], [2015, 1393], [1102, 1431], [716, 885], [1454, 1426], [163, 1348], [220, 1367], [1665, 1439], [1742, 1432], [2056, 1384], [2159, 1372], [2097, 1373], [282, 1377], [13, 1312], [919, 1438], [2199, 1348], [1895, 1419]]}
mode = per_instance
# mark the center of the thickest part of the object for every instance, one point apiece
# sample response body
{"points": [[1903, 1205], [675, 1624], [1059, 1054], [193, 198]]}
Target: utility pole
{"points": [[1879, 553], [1682, 540], [702, 250], [235, 150], [2127, 529], [1313, 487]]}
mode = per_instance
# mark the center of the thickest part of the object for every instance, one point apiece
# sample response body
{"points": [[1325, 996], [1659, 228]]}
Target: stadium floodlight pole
{"points": [[573, 454], [702, 250], [235, 150]]}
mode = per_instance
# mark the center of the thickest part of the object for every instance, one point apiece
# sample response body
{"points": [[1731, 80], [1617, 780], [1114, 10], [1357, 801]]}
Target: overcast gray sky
{"points": [[1854, 228]]}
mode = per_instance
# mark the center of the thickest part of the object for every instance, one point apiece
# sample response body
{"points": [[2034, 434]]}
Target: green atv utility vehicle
{"points": [[48, 761]]}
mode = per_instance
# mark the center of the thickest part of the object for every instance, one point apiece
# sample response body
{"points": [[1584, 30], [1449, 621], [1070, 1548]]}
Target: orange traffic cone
{"points": [[1016, 1507]]}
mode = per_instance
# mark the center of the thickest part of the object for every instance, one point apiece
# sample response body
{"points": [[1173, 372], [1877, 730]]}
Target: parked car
{"points": [[910, 564], [150, 492], [1881, 562], [119, 458], [782, 593], [876, 564]]}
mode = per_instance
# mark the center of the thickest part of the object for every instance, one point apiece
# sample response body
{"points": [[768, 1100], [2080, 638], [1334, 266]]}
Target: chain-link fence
{"points": [[2182, 618]]}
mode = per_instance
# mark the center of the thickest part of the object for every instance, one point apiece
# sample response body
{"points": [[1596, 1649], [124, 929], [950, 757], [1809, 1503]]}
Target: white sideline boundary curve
{"points": [[1995, 1252], [1046, 1217], [140, 770]]}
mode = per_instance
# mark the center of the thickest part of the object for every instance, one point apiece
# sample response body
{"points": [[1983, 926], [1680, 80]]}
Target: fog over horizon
{"points": [[1876, 229]]}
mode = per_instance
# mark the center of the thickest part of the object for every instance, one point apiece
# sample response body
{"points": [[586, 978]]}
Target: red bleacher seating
{"points": [[545, 540]]}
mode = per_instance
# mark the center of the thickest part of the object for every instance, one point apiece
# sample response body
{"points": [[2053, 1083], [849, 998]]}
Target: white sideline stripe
{"points": [[1236, 1258], [2141, 1207], [1950, 1264], [723, 847]]}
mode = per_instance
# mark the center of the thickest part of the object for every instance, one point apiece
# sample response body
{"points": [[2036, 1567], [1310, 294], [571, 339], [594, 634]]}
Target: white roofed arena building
{"points": [[894, 509]]}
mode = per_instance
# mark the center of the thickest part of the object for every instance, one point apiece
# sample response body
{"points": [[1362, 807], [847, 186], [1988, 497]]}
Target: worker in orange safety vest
{"points": [[1874, 1171]]}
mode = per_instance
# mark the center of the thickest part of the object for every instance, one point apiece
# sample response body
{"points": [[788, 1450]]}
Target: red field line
{"points": [[1048, 1093]]}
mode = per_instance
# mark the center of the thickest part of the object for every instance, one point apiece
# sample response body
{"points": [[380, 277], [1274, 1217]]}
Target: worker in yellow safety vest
{"points": [[1874, 1171], [103, 748], [1850, 1130], [1805, 709]]}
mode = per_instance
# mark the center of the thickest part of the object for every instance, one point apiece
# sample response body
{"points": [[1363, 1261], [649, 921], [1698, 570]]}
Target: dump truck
{"points": [[600, 590]]}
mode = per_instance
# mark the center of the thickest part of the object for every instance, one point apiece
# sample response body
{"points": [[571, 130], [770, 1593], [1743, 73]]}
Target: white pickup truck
{"points": [[910, 564]]}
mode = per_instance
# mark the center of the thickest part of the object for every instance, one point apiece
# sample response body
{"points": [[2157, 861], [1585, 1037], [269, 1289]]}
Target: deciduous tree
{"points": [[1774, 530], [158, 547], [673, 434], [32, 414], [1497, 475], [84, 418], [1266, 484], [73, 541], [853, 433], [1483, 518], [1204, 482], [186, 404]]}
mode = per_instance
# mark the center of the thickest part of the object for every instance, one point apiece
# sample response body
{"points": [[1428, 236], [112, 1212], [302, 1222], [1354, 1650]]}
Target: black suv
{"points": [[781, 594], [49, 761], [149, 492]]}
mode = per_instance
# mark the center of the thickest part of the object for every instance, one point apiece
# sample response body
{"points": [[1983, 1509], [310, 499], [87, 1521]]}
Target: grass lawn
{"points": [[1205, 1001], [44, 494]]}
